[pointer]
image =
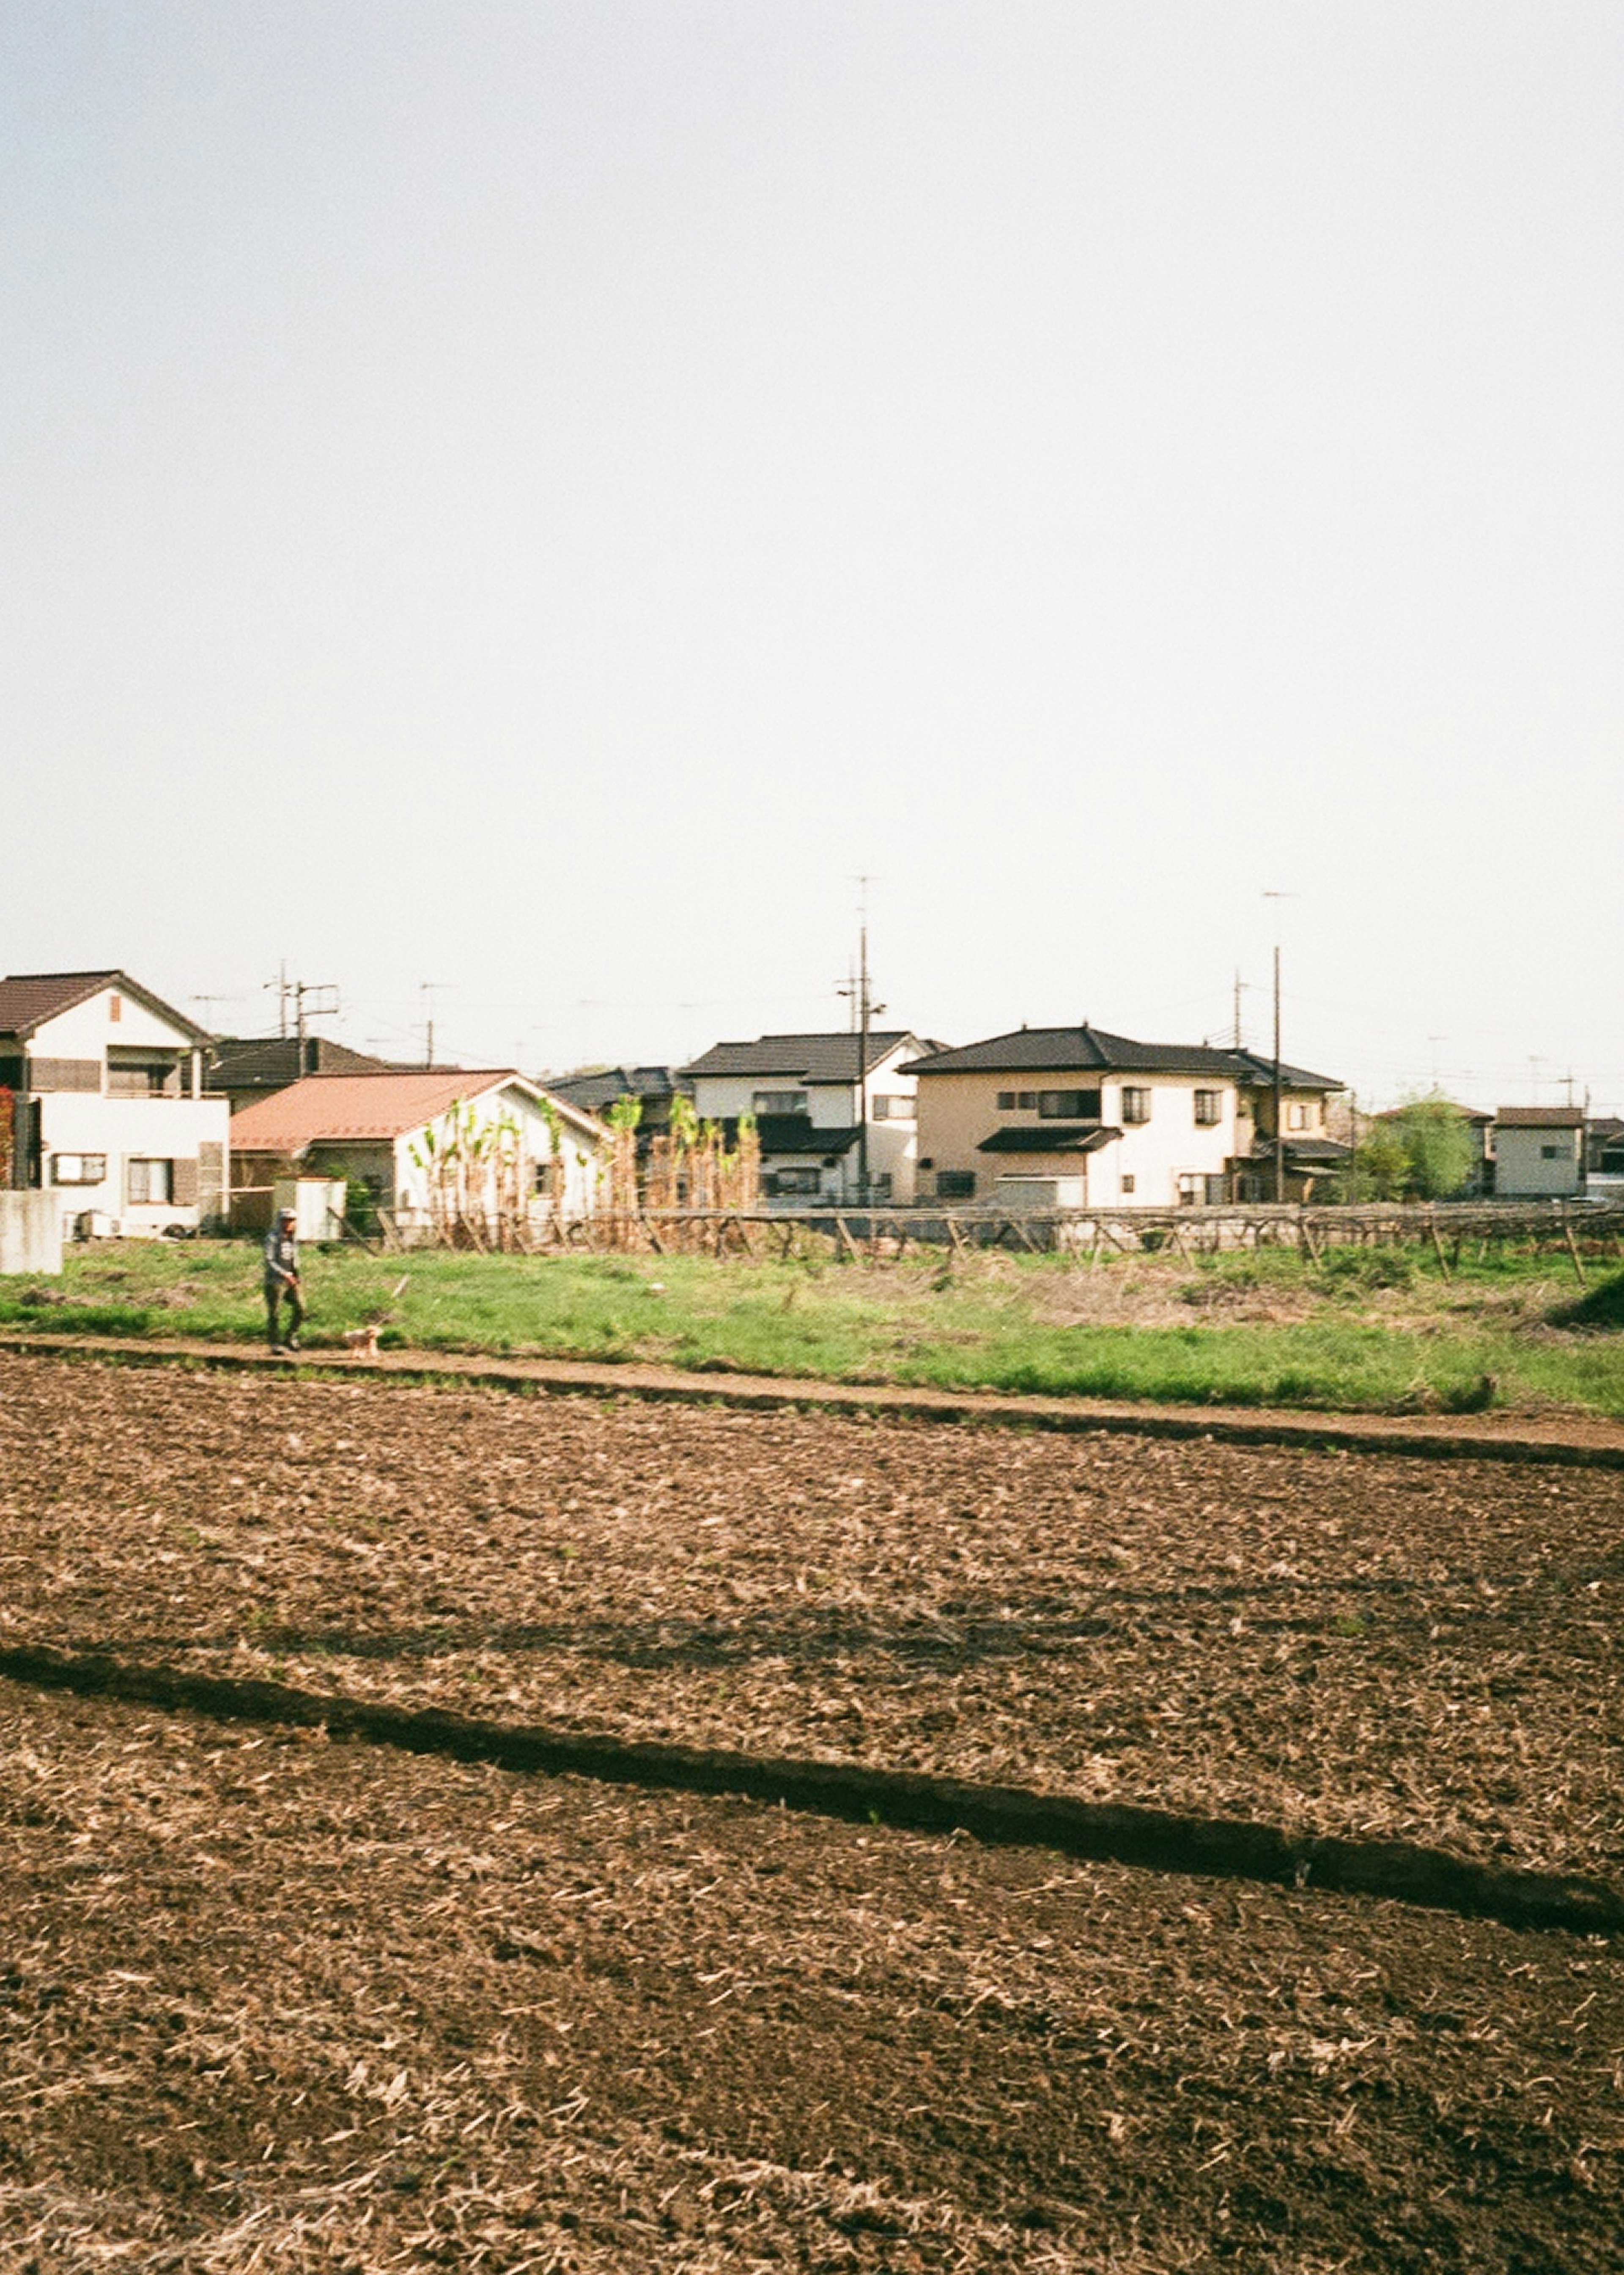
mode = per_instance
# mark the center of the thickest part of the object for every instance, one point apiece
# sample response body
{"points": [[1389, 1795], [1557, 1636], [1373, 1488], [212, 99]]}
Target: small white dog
{"points": [[362, 1341]]}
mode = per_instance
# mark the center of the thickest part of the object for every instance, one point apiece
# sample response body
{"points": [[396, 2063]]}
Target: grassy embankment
{"points": [[1371, 1330]]}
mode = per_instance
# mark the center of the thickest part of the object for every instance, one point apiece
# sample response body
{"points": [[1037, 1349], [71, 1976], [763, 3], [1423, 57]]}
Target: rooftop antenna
{"points": [[209, 1003]]}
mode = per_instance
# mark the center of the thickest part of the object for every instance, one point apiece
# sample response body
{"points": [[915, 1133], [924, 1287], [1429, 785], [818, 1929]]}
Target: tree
{"points": [[1423, 1152], [1384, 1163]]}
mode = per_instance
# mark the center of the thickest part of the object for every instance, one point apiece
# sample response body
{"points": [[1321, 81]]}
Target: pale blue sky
{"points": [[536, 497]]}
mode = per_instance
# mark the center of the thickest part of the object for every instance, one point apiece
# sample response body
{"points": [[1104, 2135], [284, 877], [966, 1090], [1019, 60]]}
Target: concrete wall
{"points": [[30, 1233]]}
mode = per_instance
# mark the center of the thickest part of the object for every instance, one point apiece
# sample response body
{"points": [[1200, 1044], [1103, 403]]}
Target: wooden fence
{"points": [[1451, 1231]]}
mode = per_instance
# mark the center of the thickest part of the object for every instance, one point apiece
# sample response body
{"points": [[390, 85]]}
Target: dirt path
{"points": [[1580, 1440]]}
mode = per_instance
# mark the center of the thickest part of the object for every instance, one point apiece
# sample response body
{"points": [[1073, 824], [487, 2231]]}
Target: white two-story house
{"points": [[1103, 1120], [102, 1088], [826, 1114]]}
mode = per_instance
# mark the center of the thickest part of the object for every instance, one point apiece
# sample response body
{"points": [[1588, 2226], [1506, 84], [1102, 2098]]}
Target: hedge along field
{"points": [[1367, 1330]]}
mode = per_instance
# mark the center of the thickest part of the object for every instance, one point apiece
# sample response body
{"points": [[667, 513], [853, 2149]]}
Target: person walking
{"points": [[282, 1279]]}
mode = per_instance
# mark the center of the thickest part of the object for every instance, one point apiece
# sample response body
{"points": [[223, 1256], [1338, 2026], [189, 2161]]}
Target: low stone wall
{"points": [[30, 1232]]}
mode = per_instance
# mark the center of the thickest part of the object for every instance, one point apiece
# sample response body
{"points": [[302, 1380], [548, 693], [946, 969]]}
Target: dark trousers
{"points": [[277, 1292]]}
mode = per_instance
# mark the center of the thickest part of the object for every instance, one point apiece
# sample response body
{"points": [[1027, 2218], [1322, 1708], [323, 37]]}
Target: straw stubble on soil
{"points": [[1345, 1644], [272, 2001]]}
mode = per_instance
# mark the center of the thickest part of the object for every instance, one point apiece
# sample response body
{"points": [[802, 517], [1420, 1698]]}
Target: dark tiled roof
{"points": [[1090, 1050], [1261, 1069], [27, 999], [800, 1058], [1305, 1150], [795, 1133], [595, 1091], [272, 1061], [1059, 1137]]}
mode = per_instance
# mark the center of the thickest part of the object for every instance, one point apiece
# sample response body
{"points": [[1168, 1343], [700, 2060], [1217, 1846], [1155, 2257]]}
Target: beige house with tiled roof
{"points": [[1110, 1121]]}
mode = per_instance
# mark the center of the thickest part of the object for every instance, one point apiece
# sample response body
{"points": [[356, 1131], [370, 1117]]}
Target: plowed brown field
{"points": [[276, 2002]]}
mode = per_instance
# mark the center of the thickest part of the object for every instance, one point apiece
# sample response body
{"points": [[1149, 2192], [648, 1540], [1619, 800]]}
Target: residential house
{"points": [[1604, 1146], [1539, 1153], [824, 1111], [386, 1130], [243, 1067], [108, 1107], [1108, 1120], [653, 1086]]}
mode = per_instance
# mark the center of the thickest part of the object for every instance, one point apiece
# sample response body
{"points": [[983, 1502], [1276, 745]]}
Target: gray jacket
{"points": [[280, 1259]]}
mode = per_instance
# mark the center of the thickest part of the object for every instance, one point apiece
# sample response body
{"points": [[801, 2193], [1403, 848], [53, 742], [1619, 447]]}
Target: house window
{"points": [[149, 1181], [143, 1078], [781, 1181], [779, 1101], [1006, 1101], [955, 1185], [1127, 1183], [115, 1008], [1135, 1104], [1209, 1108], [78, 1168], [1550, 1152], [879, 1187], [1199, 1191], [1296, 1117], [892, 1109], [1068, 1104], [1016, 1101]]}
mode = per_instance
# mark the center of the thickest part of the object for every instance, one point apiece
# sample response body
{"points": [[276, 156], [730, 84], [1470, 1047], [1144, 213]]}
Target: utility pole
{"points": [[1279, 1119], [867, 1010], [1353, 1147], [300, 990], [429, 989], [1237, 1008]]}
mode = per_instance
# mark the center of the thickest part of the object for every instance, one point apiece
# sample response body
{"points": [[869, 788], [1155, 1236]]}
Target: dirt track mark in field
{"points": [[1157, 1839], [272, 2001], [1353, 1647]]}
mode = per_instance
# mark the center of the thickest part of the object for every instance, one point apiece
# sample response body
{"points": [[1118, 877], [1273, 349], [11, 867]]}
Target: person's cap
{"points": [[286, 1216]]}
